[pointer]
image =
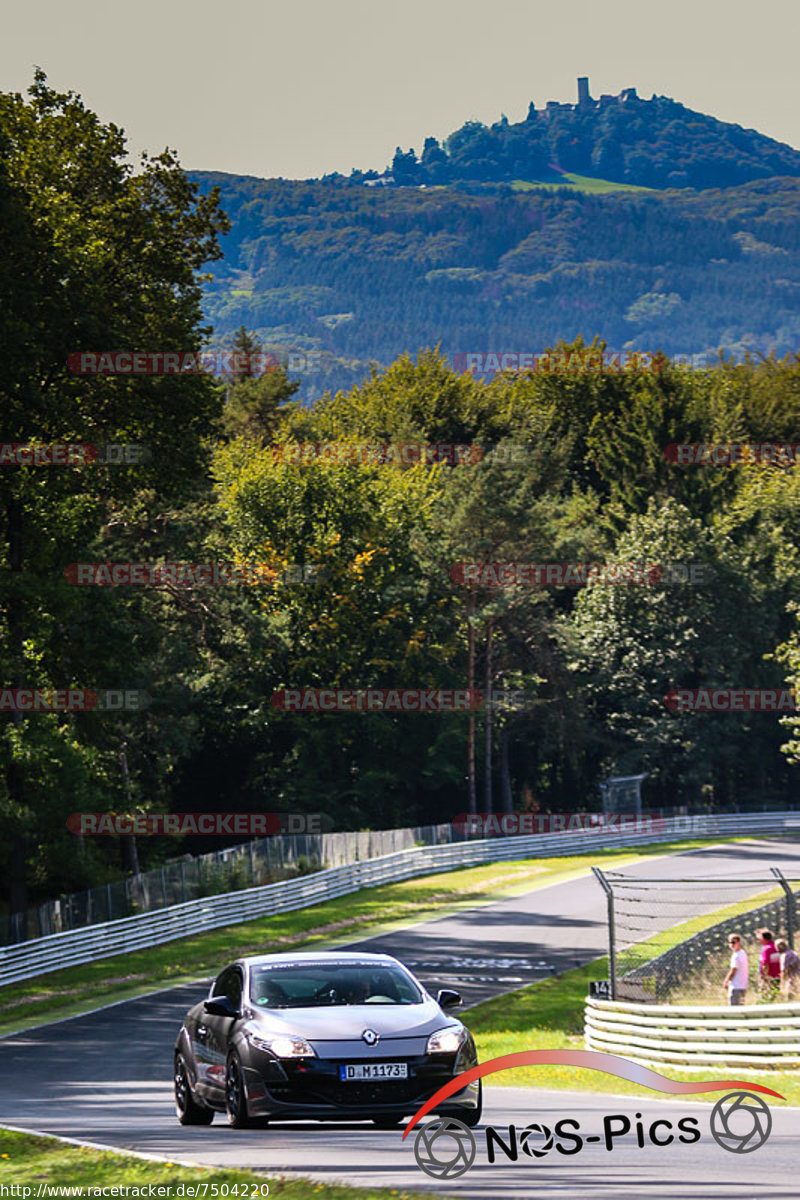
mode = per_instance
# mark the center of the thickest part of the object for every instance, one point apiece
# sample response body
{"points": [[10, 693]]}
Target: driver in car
{"points": [[355, 991]]}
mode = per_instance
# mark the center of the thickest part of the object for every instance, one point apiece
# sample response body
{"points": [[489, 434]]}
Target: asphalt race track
{"points": [[106, 1077]]}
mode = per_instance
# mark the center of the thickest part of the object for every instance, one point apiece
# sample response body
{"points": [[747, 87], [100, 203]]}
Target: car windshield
{"points": [[323, 984]]}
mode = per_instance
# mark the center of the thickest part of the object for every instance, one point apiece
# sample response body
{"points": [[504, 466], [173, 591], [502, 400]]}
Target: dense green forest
{"points": [[98, 256], [359, 275]]}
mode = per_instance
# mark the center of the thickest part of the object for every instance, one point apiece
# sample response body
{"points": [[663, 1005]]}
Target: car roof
{"points": [[309, 956]]}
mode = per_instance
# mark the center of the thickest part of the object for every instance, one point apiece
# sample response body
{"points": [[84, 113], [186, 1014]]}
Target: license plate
{"points": [[359, 1071]]}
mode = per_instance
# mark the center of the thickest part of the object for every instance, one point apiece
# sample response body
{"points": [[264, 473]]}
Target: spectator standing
{"points": [[769, 964], [790, 970], [736, 979]]}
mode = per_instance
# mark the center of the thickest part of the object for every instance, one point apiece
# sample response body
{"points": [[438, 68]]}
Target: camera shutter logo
{"points": [[536, 1140], [741, 1122], [444, 1148], [370, 1037]]}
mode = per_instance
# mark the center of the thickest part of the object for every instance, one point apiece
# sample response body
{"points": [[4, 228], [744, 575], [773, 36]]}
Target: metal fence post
{"points": [[788, 893], [612, 946]]}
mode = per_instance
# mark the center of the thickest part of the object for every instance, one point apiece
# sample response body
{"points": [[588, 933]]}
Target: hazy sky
{"points": [[306, 87]]}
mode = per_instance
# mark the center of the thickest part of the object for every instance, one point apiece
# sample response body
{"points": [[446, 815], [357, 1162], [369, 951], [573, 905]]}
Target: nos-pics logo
{"points": [[445, 1148]]}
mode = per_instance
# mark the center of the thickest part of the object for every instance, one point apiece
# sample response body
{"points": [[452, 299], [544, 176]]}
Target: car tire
{"points": [[235, 1098], [187, 1110], [472, 1118], [387, 1122]]}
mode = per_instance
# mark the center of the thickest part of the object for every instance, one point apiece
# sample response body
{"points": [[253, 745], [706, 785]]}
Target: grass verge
{"points": [[580, 183], [28, 1162], [549, 1016], [77, 989]]}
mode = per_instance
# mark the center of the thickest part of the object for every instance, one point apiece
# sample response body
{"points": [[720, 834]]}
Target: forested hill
{"points": [[360, 274], [641, 221], [652, 143]]}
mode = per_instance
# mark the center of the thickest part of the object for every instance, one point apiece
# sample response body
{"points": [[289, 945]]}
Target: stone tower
{"points": [[583, 91]]}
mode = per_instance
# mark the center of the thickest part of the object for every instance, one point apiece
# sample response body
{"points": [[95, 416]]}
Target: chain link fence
{"points": [[261, 861], [668, 938]]}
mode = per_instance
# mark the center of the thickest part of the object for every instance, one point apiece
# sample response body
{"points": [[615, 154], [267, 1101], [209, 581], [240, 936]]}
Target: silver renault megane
{"points": [[325, 1035]]}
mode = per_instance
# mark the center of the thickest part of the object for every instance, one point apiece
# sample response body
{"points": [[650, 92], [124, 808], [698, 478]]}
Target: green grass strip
{"points": [[31, 1162], [579, 183]]}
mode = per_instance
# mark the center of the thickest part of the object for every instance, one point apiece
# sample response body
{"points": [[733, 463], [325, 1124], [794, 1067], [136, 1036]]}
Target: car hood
{"points": [[334, 1023]]}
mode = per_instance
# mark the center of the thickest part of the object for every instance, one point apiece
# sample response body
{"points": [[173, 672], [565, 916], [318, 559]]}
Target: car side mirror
{"points": [[447, 998], [220, 1006]]}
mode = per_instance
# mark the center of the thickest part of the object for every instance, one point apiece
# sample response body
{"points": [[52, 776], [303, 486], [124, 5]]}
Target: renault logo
{"points": [[370, 1037]]}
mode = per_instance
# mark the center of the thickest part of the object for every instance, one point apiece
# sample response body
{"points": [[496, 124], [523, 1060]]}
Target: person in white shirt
{"points": [[736, 979]]}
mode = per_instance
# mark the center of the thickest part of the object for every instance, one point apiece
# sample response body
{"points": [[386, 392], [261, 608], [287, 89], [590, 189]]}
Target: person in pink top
{"points": [[769, 963]]}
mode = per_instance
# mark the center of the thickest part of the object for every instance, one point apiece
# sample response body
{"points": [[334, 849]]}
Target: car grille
{"points": [[354, 1095], [316, 1083], [395, 1092]]}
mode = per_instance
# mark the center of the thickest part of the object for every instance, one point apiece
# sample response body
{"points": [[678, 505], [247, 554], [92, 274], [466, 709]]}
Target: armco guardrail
{"points": [[45, 954], [752, 1035], [250, 864]]}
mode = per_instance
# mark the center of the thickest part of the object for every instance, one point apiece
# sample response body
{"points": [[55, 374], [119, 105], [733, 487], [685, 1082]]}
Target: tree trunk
{"points": [[505, 774], [472, 796], [130, 852], [17, 881], [489, 711]]}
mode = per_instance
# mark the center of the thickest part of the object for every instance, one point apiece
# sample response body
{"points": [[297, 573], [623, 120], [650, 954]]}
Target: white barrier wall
{"points": [[758, 1036]]}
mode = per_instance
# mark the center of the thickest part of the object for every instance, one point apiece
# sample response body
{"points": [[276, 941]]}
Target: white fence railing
{"points": [[45, 954], [753, 1035]]}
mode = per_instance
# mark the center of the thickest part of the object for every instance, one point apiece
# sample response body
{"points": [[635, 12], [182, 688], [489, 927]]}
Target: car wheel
{"points": [[387, 1122], [472, 1118], [187, 1110], [235, 1099]]}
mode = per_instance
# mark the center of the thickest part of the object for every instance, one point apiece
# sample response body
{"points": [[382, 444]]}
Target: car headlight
{"points": [[446, 1041], [283, 1047]]}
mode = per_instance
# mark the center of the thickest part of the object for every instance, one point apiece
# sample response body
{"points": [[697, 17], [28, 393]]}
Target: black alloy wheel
{"points": [[187, 1110], [235, 1099]]}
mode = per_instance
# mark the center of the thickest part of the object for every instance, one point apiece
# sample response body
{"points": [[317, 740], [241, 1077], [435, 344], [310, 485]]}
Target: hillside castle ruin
{"points": [[585, 100]]}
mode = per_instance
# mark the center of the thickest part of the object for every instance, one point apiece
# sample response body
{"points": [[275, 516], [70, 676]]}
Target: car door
{"points": [[213, 1031]]}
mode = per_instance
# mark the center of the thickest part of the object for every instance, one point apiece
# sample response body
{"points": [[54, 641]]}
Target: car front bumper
{"points": [[312, 1088]]}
